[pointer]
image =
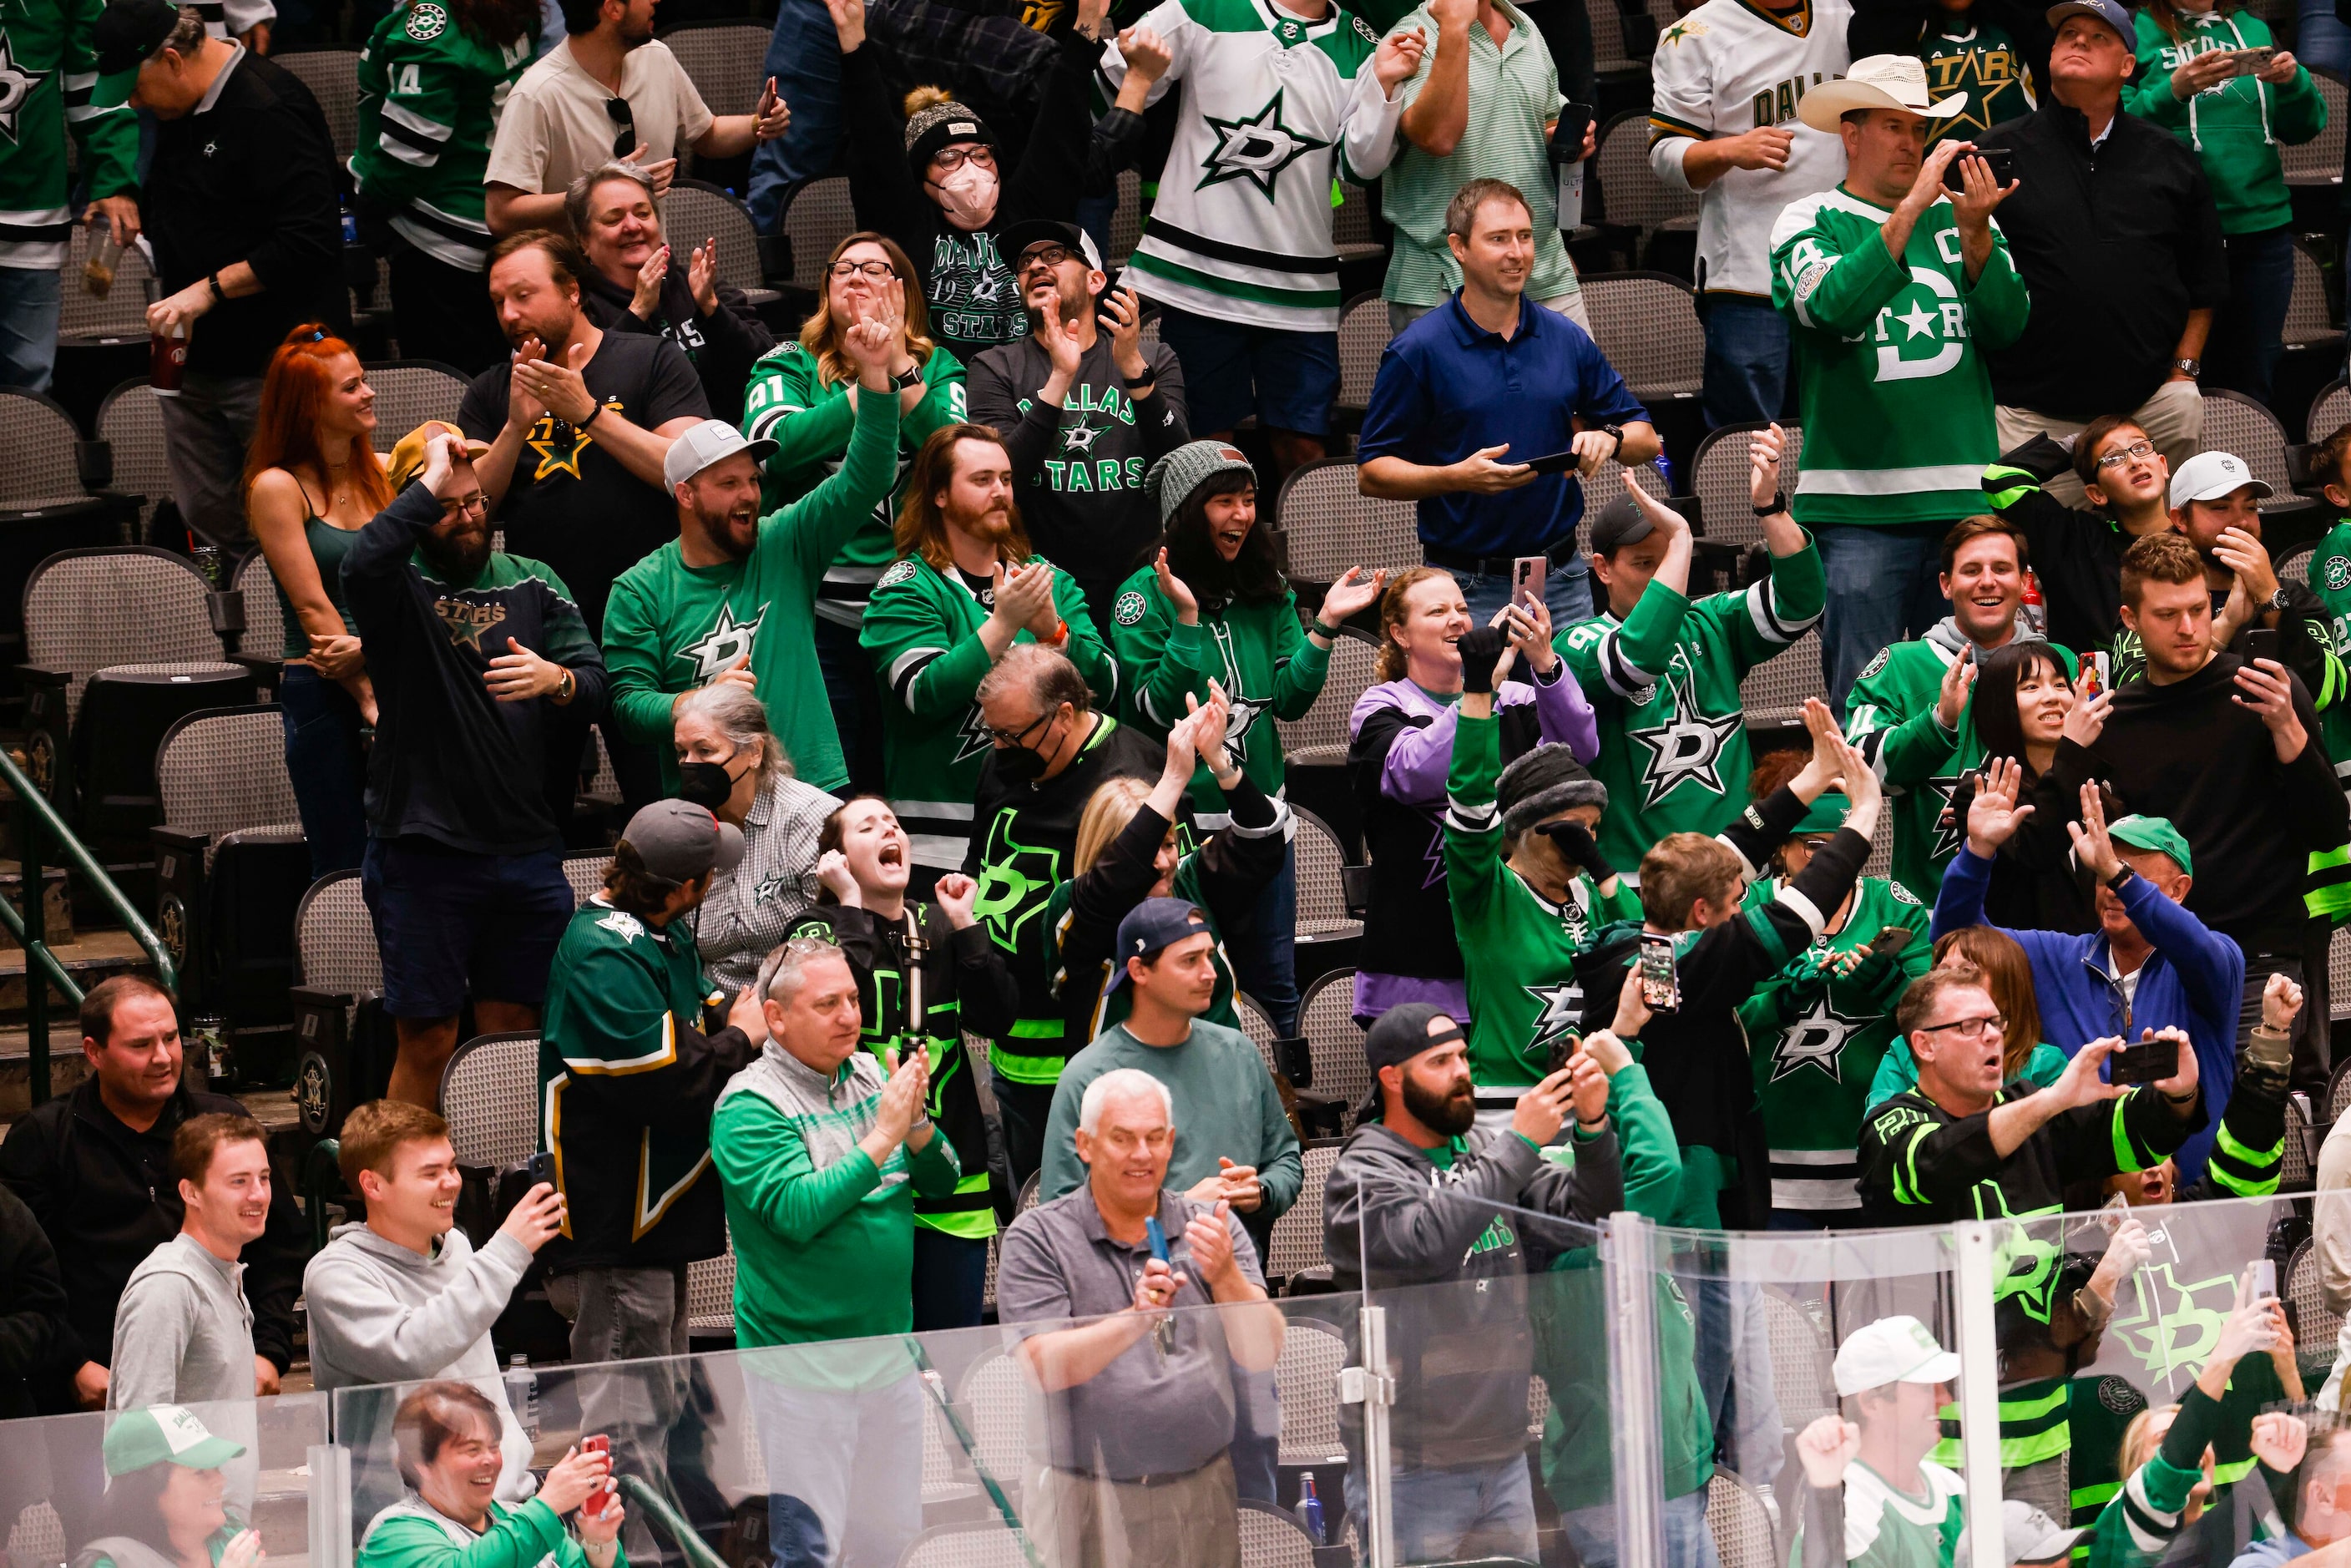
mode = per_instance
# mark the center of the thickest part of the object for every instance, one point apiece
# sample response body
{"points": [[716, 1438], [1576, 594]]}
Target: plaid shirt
{"points": [[752, 907], [989, 60]]}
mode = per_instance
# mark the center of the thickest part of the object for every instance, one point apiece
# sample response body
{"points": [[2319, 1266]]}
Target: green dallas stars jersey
{"points": [[1519, 949], [670, 627], [1816, 1038], [1665, 683], [49, 86], [2330, 578], [1896, 403], [1274, 108], [1886, 1527], [430, 94], [2101, 1409], [1890, 719], [921, 628]]}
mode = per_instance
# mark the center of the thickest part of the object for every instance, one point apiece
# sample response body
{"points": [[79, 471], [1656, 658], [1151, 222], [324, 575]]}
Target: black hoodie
{"points": [[723, 345]]}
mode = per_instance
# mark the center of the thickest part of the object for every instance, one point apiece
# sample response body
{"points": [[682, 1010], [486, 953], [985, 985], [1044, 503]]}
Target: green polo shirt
{"points": [[1513, 95]]}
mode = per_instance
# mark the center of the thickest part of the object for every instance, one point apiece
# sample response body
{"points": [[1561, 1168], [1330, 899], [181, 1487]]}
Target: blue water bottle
{"points": [[1310, 1508]]}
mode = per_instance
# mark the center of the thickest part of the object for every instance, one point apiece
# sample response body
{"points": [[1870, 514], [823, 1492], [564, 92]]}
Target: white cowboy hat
{"points": [[1876, 81]]}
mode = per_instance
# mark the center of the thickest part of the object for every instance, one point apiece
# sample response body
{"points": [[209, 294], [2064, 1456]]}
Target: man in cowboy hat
{"points": [[1888, 281]]}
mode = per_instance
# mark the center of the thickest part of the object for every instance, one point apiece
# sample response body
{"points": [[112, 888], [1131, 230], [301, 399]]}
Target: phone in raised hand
{"points": [[1527, 575], [1661, 987]]}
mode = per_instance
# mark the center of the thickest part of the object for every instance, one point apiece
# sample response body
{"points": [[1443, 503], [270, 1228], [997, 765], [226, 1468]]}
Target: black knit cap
{"points": [[1545, 781]]}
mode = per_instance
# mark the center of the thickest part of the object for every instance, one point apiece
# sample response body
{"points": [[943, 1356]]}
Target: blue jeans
{"points": [[1567, 590], [1688, 1542], [2249, 326], [325, 767], [950, 1279], [1443, 1516], [804, 56], [29, 303], [1746, 375], [2321, 42], [844, 1469], [1883, 589], [1264, 961]]}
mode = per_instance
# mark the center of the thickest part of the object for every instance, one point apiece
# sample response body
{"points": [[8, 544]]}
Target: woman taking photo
{"points": [[925, 972], [164, 1506], [1213, 609], [2024, 707], [1401, 745], [730, 762], [446, 1438], [312, 481], [803, 397]]}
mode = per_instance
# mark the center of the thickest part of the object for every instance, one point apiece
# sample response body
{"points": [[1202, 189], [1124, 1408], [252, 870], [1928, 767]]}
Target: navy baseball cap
{"points": [[2110, 12], [1149, 928]]}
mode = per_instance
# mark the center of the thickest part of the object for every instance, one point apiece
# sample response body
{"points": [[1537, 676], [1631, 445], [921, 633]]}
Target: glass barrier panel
{"points": [[231, 1483]]}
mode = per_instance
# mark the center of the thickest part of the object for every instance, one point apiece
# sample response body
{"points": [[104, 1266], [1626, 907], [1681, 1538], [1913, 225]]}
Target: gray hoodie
{"points": [[380, 1313], [183, 1333]]}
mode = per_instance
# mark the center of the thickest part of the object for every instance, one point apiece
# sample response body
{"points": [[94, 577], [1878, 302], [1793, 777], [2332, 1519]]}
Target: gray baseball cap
{"points": [[712, 440], [681, 841], [2110, 12]]}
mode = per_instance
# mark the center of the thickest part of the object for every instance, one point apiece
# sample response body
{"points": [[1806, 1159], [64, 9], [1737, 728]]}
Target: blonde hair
{"points": [[820, 334], [1108, 812], [1389, 664]]}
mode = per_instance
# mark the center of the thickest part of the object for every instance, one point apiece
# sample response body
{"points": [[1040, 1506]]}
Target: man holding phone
{"points": [[1468, 399]]}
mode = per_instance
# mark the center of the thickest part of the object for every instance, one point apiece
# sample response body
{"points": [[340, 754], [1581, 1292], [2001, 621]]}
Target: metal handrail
{"points": [[34, 815]]}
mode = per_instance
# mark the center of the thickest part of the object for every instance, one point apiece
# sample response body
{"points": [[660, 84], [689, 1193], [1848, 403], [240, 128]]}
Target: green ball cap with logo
{"points": [[2154, 833], [1825, 815], [164, 1434]]}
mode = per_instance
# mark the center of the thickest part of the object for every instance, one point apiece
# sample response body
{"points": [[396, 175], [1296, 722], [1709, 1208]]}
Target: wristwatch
{"points": [[2192, 368], [2278, 600], [219, 294], [1616, 430], [1779, 504], [910, 380], [570, 684]]}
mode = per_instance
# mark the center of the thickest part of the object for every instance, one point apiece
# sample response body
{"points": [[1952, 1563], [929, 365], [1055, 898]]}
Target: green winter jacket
{"points": [[412, 1534], [56, 90], [1257, 651], [430, 93], [2236, 128]]}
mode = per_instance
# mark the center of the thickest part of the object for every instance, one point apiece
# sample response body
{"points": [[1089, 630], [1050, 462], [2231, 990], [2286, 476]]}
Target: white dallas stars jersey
{"points": [[1724, 69], [1274, 108]]}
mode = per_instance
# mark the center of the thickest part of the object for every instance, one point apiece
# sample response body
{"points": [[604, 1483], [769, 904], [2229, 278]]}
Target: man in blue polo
{"points": [[1472, 391]]}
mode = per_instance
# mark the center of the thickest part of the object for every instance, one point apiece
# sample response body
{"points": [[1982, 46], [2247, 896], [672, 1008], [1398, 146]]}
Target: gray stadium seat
{"points": [[1297, 1240], [1632, 197], [1321, 901], [130, 422], [2338, 972], [1273, 1538], [38, 443], [692, 212], [1257, 1026], [489, 1096], [1126, 222], [726, 62], [820, 217], [1352, 233], [2296, 563], [1718, 478], [2330, 410], [1739, 1523], [1363, 339], [2338, 1094], [2234, 423], [2309, 314], [265, 618], [1334, 1043], [1800, 1360], [409, 392], [1774, 691], [988, 1545], [995, 1398], [710, 1295], [2316, 1325], [1328, 525], [585, 874], [334, 940], [1321, 738], [2319, 160], [225, 771], [2297, 1160], [1308, 1372], [122, 314], [1645, 324], [333, 77], [89, 609]]}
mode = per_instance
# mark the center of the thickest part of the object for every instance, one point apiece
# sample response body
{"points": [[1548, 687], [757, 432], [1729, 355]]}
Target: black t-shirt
{"points": [[571, 503]]}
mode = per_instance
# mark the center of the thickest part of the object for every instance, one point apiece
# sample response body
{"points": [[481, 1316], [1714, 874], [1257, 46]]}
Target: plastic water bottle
{"points": [[522, 1394], [1310, 1508]]}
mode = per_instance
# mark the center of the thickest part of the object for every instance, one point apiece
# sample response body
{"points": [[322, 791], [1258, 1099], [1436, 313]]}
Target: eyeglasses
{"points": [[462, 505], [617, 110], [950, 159], [877, 270], [1967, 1029], [1020, 736], [1047, 256], [2134, 453]]}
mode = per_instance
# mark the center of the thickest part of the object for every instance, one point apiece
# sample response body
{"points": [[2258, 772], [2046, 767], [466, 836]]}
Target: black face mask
{"points": [[1020, 765], [706, 784]]}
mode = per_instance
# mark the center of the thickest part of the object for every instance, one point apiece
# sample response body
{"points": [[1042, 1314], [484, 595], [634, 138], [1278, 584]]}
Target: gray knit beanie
{"points": [[941, 124], [1174, 477], [1545, 781]]}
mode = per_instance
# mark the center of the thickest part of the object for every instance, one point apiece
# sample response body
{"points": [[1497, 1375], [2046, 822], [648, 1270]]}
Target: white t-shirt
{"points": [[555, 128]]}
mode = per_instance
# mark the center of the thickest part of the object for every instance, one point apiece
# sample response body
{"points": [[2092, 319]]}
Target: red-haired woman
{"points": [[312, 480]]}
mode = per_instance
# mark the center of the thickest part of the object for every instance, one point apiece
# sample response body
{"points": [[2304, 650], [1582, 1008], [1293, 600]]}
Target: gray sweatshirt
{"points": [[183, 1333], [381, 1314]]}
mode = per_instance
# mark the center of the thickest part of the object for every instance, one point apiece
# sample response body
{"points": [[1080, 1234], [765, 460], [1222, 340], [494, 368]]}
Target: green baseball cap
{"points": [[138, 1439], [1825, 815], [2152, 833]]}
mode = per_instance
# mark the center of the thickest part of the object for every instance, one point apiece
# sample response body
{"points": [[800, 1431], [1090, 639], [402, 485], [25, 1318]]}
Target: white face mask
{"points": [[968, 195]]}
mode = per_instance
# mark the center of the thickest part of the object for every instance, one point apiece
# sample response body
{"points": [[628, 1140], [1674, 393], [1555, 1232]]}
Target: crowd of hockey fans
{"points": [[942, 646]]}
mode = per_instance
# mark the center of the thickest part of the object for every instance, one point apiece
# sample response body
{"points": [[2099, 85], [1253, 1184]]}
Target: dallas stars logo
{"points": [[2173, 1327], [1015, 881], [1561, 1016], [1080, 438], [1685, 746], [542, 440], [972, 735], [1244, 718], [726, 641], [623, 924], [17, 85], [1949, 829], [2338, 571], [1257, 149], [1817, 1038]]}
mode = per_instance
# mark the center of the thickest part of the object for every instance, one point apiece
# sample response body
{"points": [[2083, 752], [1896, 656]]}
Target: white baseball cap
{"points": [[1876, 81], [2027, 1536], [712, 440], [1892, 1350], [2210, 476]]}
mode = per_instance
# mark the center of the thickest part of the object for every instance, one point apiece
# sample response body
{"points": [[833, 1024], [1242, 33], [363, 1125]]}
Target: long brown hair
{"points": [[2166, 14], [2008, 980], [922, 527], [1388, 664], [285, 434], [820, 334]]}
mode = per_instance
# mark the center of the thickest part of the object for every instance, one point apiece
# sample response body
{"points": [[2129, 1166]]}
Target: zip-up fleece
{"points": [[412, 1533]]}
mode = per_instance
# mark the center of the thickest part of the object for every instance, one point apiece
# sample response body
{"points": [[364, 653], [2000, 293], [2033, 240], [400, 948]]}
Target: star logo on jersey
{"points": [[560, 454], [1561, 1016], [2173, 1327], [1080, 438], [1685, 28], [2339, 572], [1684, 745], [1244, 717], [1817, 1038], [17, 85], [1015, 881], [1949, 829], [725, 642], [1257, 149], [623, 924]]}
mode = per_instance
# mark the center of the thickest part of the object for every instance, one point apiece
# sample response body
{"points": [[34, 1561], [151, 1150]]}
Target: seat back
{"points": [[265, 618], [334, 939], [1328, 525], [1321, 903], [2294, 1161], [1321, 738], [2316, 1325], [1273, 1538], [333, 77], [86, 610], [1800, 1359], [130, 422], [1297, 1239], [966, 1546], [710, 1295], [1126, 224], [409, 392], [222, 769], [37, 440], [1307, 1376], [1739, 1523], [122, 313], [1631, 195], [1333, 1044], [725, 61], [1718, 478], [694, 211], [821, 215], [489, 1096], [2309, 311], [2330, 410], [2319, 160], [1363, 337], [996, 1396], [1647, 326], [1257, 1027], [2235, 423], [1773, 692], [585, 874]]}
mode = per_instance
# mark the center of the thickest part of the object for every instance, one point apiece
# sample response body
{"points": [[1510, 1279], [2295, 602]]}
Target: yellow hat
{"points": [[408, 453]]}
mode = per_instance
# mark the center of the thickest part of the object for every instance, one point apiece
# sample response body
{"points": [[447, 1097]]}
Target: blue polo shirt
{"points": [[1447, 387]]}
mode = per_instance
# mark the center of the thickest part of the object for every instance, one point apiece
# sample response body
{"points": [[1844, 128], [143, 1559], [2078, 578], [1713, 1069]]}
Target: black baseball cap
{"points": [[127, 31], [1619, 522], [1149, 929], [1015, 239]]}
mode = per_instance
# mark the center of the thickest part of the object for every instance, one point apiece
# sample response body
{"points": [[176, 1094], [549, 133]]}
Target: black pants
{"points": [[1023, 1108], [443, 312]]}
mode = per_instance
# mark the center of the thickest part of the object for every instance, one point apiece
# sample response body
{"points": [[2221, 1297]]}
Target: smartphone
{"points": [[1553, 462], [1661, 988], [2264, 1279], [540, 1167], [1527, 575], [602, 1496], [2262, 643], [2248, 62], [1158, 1239], [1891, 940], [1567, 136], [2148, 1062], [2000, 161], [1563, 1050], [2097, 674]]}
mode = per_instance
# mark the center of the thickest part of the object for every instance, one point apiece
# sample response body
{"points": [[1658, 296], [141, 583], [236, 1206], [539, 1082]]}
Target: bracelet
{"points": [[219, 295], [594, 413], [1317, 627], [2115, 882], [1779, 504], [570, 684], [2187, 1099]]}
